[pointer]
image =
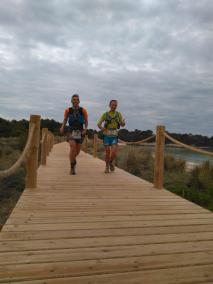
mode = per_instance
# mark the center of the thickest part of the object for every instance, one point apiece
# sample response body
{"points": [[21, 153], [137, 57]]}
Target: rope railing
{"points": [[13, 169], [159, 154], [31, 151], [97, 140], [136, 142], [189, 147]]}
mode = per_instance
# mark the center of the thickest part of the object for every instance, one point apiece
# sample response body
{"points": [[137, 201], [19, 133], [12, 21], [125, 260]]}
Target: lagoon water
{"points": [[187, 155]]}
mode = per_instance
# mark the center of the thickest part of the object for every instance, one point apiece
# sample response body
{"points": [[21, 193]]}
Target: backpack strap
{"points": [[109, 118], [80, 110]]}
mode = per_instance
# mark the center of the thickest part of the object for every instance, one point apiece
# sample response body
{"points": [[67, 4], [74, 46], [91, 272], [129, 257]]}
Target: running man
{"points": [[77, 118], [112, 122]]}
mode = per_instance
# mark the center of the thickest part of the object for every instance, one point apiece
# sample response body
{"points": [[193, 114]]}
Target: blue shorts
{"points": [[110, 140]]}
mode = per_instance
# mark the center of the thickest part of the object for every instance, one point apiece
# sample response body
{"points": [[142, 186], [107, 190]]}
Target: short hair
{"points": [[113, 101], [75, 96]]}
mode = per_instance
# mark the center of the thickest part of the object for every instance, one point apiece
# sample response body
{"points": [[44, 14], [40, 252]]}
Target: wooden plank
{"points": [[101, 206], [97, 213], [104, 225], [57, 234], [23, 272], [127, 248], [77, 229], [101, 218], [177, 275]]}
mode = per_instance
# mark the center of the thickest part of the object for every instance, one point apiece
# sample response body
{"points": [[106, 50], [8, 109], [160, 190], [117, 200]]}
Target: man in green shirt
{"points": [[112, 122]]}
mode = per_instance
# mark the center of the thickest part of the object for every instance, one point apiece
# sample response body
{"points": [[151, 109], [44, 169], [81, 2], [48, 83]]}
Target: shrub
{"points": [[136, 160], [11, 187], [172, 164], [202, 178]]}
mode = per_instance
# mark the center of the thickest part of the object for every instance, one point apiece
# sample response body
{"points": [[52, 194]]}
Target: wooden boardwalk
{"points": [[98, 228]]}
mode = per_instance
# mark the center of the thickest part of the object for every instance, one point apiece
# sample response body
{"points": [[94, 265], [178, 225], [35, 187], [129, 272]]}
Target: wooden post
{"points": [[159, 157], [95, 145], [48, 143], [51, 142], [86, 144], [44, 147], [54, 140], [32, 161]]}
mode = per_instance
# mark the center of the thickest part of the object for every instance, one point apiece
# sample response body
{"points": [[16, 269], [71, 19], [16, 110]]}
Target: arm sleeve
{"points": [[120, 117]]}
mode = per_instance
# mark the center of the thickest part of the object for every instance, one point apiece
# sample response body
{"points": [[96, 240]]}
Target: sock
{"points": [[73, 164]]}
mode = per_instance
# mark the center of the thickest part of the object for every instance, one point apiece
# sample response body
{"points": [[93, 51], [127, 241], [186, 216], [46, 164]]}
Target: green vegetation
{"points": [[19, 128], [16, 128], [196, 186], [137, 161]]}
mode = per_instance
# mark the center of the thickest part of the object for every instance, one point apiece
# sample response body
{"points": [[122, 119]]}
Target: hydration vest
{"points": [[109, 119], [76, 118]]}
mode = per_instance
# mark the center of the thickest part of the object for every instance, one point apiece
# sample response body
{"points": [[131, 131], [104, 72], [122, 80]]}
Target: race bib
{"points": [[76, 134], [112, 132]]}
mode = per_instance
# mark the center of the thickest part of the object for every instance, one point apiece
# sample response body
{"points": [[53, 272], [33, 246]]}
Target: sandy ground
{"points": [[190, 166]]}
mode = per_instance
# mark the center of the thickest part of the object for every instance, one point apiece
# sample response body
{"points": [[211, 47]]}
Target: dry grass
{"points": [[11, 187]]}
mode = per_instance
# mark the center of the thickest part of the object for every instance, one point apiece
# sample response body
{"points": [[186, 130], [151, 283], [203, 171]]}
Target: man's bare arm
{"points": [[99, 125], [85, 127], [86, 124], [123, 123], [63, 126]]}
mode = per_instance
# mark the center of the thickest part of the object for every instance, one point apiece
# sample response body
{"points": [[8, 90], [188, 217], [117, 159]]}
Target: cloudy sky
{"points": [[154, 56]]}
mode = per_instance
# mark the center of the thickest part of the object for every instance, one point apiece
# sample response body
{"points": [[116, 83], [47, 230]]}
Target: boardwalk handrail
{"points": [[22, 158], [30, 152], [159, 154], [43, 137], [159, 157], [44, 149], [159, 151], [96, 139], [136, 142], [95, 145], [194, 149]]}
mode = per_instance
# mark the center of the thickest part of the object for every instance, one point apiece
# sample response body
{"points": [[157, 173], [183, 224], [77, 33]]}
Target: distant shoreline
{"points": [[190, 164], [166, 145], [152, 145]]}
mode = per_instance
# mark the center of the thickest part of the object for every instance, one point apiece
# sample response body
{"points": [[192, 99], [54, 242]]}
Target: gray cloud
{"points": [[154, 56]]}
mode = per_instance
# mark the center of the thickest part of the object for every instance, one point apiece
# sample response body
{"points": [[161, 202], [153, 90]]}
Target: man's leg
{"points": [[72, 156], [107, 158], [78, 148], [113, 154]]}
